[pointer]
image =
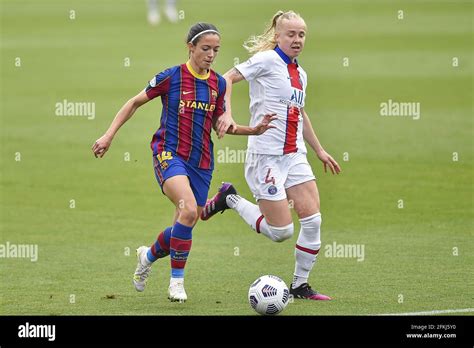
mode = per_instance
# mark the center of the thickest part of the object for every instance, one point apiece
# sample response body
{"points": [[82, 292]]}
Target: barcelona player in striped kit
{"points": [[193, 99]]}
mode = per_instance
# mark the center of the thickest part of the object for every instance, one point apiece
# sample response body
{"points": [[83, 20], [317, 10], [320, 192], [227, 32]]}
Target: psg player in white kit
{"points": [[276, 169]]}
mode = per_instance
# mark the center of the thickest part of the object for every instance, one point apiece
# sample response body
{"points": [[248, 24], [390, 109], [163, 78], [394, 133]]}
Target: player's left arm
{"points": [[260, 128], [221, 113], [310, 136]]}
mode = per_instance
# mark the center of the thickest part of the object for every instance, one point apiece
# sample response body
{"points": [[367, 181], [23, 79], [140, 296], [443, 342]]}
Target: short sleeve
{"points": [[159, 84], [255, 66], [220, 102]]}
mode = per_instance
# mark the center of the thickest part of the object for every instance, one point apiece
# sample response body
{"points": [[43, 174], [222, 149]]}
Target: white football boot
{"points": [[176, 291], [143, 269]]}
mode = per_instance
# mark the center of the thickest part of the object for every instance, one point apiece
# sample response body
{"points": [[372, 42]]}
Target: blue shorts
{"points": [[167, 165]]}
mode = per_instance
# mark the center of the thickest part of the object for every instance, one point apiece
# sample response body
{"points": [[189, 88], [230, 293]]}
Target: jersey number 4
{"points": [[269, 179]]}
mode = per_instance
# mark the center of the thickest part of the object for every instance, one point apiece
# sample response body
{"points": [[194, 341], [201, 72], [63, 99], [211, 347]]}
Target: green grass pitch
{"points": [[405, 193]]}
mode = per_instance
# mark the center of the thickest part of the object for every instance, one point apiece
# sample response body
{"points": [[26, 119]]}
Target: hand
{"points": [[328, 161], [101, 145], [225, 122], [265, 125]]}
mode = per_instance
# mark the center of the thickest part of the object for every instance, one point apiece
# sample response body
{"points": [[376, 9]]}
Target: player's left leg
{"points": [[186, 188], [304, 196], [178, 190], [189, 194]]}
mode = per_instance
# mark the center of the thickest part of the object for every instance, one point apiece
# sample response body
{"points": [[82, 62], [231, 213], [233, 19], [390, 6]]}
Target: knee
{"points": [[279, 234], [311, 223], [188, 214], [310, 230]]}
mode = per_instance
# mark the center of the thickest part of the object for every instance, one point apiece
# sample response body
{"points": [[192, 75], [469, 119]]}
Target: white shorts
{"points": [[268, 176]]}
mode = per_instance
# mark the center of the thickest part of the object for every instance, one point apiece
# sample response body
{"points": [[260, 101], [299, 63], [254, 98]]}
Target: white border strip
{"points": [[464, 310]]}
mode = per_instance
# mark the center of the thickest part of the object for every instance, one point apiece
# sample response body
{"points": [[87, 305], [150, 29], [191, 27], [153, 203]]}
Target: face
{"points": [[290, 36], [205, 51]]}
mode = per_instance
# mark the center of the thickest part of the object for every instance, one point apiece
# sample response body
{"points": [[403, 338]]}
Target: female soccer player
{"points": [[193, 99], [276, 167]]}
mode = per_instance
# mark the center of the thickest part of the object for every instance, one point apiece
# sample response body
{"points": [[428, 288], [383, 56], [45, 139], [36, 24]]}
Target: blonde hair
{"points": [[266, 41]]}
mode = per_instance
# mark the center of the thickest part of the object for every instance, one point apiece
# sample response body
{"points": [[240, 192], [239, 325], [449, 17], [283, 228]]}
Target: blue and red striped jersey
{"points": [[190, 103]]}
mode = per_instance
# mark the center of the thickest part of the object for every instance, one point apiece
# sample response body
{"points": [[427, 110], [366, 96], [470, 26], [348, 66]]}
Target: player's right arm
{"points": [[102, 144], [226, 122]]}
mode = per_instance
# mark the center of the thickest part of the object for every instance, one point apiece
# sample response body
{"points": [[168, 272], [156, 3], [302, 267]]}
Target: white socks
{"points": [[176, 280], [248, 211], [145, 261], [307, 245], [252, 215], [307, 248]]}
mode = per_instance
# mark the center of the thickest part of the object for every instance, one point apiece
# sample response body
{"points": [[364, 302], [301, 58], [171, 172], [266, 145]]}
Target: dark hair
{"points": [[199, 28]]}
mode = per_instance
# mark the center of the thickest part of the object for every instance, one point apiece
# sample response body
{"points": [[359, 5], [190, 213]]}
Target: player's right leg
{"points": [[147, 255], [271, 217], [218, 203], [275, 220]]}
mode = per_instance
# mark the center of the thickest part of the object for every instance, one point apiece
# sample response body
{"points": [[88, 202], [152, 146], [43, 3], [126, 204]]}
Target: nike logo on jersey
{"points": [[187, 92]]}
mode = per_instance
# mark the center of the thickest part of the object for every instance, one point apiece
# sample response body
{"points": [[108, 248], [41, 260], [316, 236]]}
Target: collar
{"points": [[195, 74], [283, 56]]}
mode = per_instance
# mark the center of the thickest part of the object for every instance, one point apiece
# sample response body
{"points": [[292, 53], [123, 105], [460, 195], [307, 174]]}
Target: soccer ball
{"points": [[268, 295]]}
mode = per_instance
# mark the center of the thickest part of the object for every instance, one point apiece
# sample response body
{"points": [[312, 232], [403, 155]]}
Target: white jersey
{"points": [[276, 86]]}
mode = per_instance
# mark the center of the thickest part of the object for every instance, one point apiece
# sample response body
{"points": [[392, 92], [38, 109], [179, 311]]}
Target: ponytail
{"points": [[266, 41]]}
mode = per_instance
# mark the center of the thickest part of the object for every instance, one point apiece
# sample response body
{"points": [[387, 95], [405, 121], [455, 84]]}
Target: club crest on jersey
{"points": [[214, 94], [272, 190]]}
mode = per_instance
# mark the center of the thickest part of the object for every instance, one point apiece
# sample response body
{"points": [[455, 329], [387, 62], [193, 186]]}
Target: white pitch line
{"points": [[464, 310]]}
